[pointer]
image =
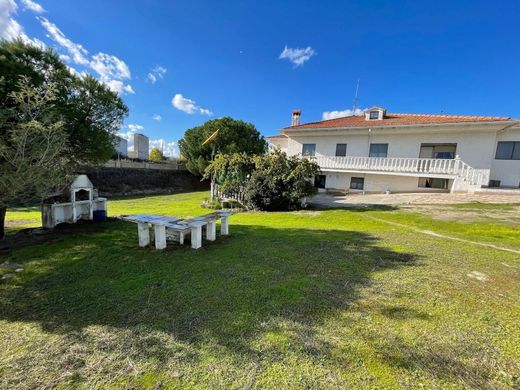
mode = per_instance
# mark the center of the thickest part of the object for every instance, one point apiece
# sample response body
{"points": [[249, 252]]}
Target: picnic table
{"points": [[165, 227]]}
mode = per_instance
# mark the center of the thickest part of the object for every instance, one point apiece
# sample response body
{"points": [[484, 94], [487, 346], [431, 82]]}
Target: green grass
{"points": [[310, 299]]}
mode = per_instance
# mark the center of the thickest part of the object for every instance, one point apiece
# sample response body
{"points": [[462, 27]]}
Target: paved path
{"points": [[352, 200]]}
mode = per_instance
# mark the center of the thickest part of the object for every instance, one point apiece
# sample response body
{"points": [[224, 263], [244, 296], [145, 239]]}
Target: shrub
{"points": [[271, 182]]}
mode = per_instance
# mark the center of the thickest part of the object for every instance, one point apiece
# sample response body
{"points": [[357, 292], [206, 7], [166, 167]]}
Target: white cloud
{"points": [[134, 127], [169, 149], [157, 73], [77, 52], [9, 28], [188, 106], [157, 117], [296, 55], [110, 69], [340, 114], [33, 6]]}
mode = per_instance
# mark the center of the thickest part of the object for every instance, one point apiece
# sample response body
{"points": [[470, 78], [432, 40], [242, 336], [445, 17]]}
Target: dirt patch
{"points": [[18, 222], [498, 216], [35, 236]]}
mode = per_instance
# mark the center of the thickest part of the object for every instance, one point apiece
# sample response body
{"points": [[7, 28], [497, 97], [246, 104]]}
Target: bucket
{"points": [[99, 215]]}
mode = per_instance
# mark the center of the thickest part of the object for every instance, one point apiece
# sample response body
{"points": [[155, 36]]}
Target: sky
{"points": [[178, 64]]}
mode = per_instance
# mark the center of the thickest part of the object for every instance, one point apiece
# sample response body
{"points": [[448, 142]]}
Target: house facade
{"points": [[380, 151]]}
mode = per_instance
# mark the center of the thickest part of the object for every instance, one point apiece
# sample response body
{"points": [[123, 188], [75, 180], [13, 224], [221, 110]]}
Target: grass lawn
{"points": [[308, 299]]}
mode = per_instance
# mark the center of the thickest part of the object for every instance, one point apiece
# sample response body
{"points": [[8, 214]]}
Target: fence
{"points": [[173, 165]]}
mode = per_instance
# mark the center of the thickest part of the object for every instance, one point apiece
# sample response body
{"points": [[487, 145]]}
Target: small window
{"points": [[433, 182], [320, 181], [374, 115], [378, 150], [309, 149], [357, 183], [341, 150], [494, 183], [508, 151]]}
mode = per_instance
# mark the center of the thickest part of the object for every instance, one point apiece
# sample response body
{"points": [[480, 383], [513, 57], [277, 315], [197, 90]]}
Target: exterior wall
{"points": [[121, 146], [474, 148], [377, 183], [507, 171], [141, 146], [278, 143]]}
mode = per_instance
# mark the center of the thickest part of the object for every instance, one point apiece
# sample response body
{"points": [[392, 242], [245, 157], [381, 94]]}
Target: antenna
{"points": [[354, 106]]}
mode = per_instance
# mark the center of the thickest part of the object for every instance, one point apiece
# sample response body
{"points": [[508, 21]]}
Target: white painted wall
{"points": [[507, 171], [475, 146], [376, 183]]}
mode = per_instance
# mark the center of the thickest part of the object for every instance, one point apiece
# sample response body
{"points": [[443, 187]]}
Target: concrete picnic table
{"points": [[165, 227]]}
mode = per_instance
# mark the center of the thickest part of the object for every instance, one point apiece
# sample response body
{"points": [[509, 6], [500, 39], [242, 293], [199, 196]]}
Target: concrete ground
{"points": [[351, 200]]}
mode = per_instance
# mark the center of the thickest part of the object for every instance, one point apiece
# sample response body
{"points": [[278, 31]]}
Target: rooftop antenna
{"points": [[354, 107]]}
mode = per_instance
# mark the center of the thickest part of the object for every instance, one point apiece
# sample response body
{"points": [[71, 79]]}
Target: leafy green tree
{"points": [[64, 121], [91, 112], [33, 149], [235, 136], [271, 182], [156, 155]]}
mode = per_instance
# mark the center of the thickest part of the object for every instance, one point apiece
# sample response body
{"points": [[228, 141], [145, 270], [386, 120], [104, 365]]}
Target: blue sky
{"points": [[209, 59]]}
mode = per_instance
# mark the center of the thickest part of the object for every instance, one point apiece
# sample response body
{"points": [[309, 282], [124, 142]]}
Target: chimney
{"points": [[296, 118]]}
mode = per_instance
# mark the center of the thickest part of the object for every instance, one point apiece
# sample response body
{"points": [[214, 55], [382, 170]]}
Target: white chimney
{"points": [[296, 118]]}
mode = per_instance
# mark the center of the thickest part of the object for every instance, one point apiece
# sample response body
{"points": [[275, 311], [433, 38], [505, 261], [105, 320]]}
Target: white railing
{"points": [[428, 166]]}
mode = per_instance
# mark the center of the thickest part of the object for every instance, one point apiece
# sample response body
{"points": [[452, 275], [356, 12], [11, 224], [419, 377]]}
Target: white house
{"points": [[381, 151], [141, 147]]}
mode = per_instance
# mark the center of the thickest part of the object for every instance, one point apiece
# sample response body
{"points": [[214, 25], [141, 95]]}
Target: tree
{"points": [[270, 182], [33, 148], [64, 121], [235, 136], [156, 155], [91, 112]]}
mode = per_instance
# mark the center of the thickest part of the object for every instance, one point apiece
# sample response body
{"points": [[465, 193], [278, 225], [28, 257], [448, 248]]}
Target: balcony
{"points": [[401, 166]]}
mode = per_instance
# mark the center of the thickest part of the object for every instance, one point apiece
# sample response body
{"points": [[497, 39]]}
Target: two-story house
{"points": [[381, 151]]}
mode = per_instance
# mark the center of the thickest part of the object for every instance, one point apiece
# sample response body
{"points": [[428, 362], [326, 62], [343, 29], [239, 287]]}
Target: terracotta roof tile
{"points": [[396, 120]]}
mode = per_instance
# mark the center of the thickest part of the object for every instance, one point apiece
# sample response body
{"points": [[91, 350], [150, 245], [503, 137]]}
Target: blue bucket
{"points": [[99, 215]]}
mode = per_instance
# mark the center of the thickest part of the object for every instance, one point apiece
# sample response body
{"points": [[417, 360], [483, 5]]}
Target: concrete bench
{"points": [[174, 228]]}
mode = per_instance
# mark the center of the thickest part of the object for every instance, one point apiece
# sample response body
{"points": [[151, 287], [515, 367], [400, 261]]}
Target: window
{"points": [[443, 151], [432, 182], [494, 183], [378, 150], [341, 150], [309, 149], [357, 183], [319, 181], [374, 115], [508, 151]]}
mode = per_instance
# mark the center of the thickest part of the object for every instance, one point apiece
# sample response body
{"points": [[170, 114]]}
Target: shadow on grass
{"points": [[253, 285]]}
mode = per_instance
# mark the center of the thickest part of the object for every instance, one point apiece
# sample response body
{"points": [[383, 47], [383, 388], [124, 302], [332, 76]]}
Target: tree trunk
{"points": [[3, 210]]}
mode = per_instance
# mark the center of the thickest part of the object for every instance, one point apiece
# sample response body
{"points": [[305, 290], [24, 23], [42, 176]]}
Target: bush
{"points": [[271, 182]]}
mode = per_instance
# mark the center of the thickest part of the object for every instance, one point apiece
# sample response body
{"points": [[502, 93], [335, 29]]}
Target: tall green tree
{"points": [[33, 149], [235, 136], [74, 119], [91, 112]]}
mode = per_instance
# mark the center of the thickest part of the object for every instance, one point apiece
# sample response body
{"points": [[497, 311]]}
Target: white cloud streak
{"points": [[298, 56], [110, 69], [157, 117], [134, 127], [157, 73], [340, 114], [9, 28], [188, 106], [33, 6]]}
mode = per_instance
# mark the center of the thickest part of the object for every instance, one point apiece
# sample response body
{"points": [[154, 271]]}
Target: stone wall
{"points": [[128, 181]]}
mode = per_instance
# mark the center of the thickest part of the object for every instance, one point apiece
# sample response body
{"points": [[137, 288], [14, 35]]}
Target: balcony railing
{"points": [[409, 166]]}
